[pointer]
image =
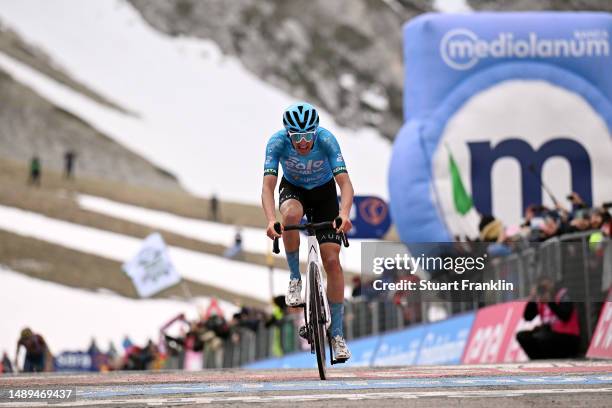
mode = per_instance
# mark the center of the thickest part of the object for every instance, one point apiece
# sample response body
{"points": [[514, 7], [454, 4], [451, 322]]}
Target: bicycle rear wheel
{"points": [[317, 318]]}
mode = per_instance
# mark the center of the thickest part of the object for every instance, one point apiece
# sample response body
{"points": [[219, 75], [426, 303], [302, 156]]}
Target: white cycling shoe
{"points": [[341, 351], [293, 297]]}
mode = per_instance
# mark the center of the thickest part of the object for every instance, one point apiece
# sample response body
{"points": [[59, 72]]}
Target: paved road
{"points": [[561, 383]]}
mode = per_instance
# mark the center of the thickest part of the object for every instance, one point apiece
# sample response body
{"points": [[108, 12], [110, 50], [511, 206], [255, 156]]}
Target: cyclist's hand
{"points": [[345, 226], [271, 232]]}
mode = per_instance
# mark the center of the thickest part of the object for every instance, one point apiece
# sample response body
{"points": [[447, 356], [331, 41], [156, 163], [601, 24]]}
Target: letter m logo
{"points": [[483, 156]]}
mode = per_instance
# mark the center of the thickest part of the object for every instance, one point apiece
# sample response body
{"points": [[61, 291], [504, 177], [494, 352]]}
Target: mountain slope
{"points": [[31, 125], [344, 55], [202, 115]]}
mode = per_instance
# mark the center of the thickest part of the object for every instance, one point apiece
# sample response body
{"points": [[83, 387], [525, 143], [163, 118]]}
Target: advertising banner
{"points": [[74, 361], [601, 343], [370, 216], [493, 335], [495, 103], [444, 342]]}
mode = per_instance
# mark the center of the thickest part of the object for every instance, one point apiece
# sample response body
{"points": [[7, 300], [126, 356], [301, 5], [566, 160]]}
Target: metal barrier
{"points": [[570, 259]]}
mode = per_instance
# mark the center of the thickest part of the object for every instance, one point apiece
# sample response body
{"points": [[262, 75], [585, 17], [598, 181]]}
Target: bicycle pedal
{"points": [[339, 361], [303, 333]]}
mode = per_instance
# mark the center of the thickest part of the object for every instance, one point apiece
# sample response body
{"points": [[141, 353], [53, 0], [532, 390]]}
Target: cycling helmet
{"points": [[301, 117]]}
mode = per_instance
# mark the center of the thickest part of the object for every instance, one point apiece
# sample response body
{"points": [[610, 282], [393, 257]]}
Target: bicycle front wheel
{"points": [[317, 318]]}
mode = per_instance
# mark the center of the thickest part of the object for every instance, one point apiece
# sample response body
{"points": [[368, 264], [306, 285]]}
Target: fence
{"points": [[575, 260], [571, 259]]}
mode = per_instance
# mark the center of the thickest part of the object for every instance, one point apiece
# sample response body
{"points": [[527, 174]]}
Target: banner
{"points": [[425, 344], [493, 335], [74, 361], [370, 217], [444, 342], [151, 269], [601, 343], [495, 103]]}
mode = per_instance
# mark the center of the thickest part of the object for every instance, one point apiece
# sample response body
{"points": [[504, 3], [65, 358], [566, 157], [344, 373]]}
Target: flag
{"points": [[151, 269], [461, 199]]}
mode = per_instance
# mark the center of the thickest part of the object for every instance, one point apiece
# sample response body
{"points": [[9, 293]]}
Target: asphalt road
{"points": [[559, 384]]}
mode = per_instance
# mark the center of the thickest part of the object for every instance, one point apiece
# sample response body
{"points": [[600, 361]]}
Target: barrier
{"points": [[434, 343]]}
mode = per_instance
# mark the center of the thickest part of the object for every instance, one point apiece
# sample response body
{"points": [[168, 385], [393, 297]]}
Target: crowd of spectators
{"points": [[211, 332], [542, 223]]}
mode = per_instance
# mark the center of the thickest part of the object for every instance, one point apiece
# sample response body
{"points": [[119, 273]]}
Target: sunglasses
{"points": [[297, 137]]}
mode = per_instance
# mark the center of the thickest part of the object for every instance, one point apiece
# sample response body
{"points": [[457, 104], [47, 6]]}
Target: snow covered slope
{"points": [[253, 239], [201, 115], [69, 318], [237, 277]]}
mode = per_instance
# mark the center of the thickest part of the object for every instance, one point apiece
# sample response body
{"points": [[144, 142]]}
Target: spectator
{"points": [[36, 350], [127, 343], [93, 347], [5, 365], [581, 221], [35, 171], [559, 334], [577, 203], [491, 229], [69, 159], [597, 218], [606, 227], [236, 249], [214, 208], [279, 308]]}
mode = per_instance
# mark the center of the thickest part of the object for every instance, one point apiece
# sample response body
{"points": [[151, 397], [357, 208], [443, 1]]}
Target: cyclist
{"points": [[311, 159]]}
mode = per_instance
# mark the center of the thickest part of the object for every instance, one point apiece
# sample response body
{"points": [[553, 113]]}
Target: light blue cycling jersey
{"points": [[312, 170]]}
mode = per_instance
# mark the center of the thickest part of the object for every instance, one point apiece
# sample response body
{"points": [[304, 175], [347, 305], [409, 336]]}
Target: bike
{"points": [[317, 315]]}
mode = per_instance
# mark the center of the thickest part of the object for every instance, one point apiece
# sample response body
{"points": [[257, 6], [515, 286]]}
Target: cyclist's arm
{"points": [[267, 197], [346, 194], [273, 151], [338, 166]]}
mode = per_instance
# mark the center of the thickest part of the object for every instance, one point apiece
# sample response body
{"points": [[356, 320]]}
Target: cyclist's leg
{"points": [[292, 210], [330, 254]]}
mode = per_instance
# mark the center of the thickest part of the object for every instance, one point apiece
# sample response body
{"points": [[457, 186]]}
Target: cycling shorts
{"points": [[320, 204]]}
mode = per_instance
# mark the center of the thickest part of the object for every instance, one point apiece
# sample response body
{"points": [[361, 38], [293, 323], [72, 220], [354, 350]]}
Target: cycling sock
{"points": [[337, 313], [293, 259]]}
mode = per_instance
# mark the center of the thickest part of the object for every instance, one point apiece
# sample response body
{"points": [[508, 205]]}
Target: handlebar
{"points": [[311, 228]]}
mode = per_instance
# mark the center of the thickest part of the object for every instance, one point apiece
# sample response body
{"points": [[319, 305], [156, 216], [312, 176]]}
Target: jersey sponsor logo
{"points": [[311, 166], [272, 172], [461, 48], [338, 170]]}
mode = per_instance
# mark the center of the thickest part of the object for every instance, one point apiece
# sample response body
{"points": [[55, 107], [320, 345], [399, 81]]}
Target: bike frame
{"points": [[313, 257], [314, 260]]}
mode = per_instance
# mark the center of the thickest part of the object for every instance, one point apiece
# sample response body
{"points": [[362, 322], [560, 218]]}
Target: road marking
{"points": [[126, 391], [317, 397]]}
